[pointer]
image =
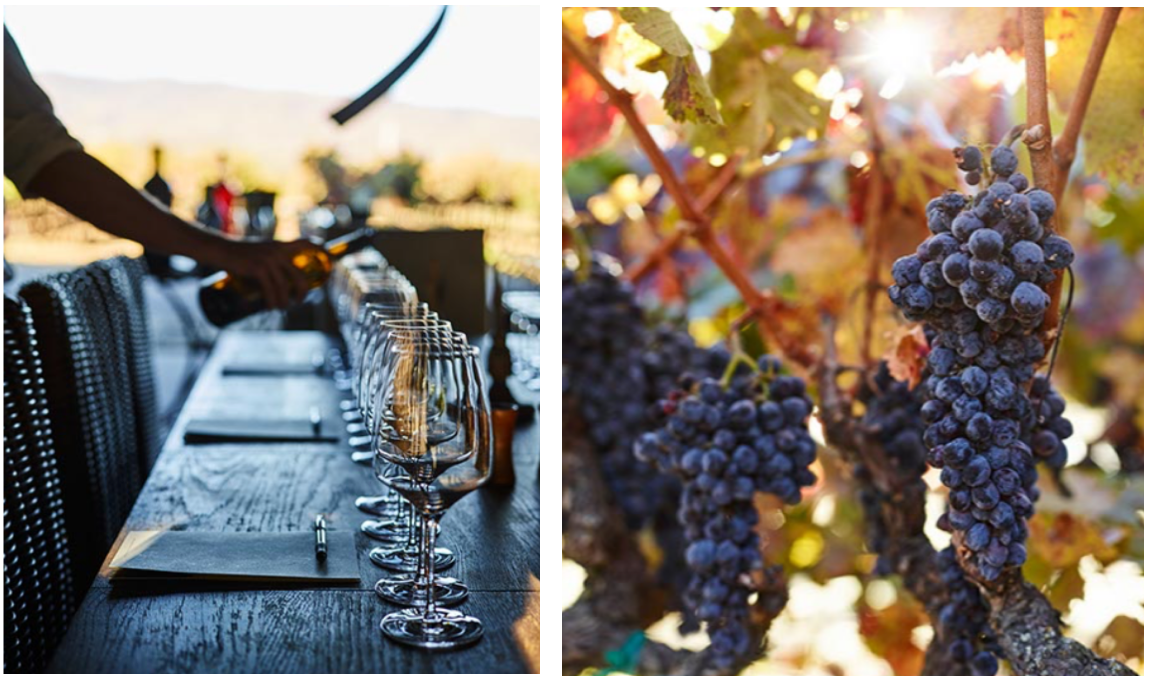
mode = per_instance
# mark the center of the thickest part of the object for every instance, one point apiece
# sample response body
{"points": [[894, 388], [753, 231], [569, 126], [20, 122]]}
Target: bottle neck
{"points": [[350, 243]]}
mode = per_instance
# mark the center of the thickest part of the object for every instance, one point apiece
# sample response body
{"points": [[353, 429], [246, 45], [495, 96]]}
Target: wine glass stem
{"points": [[428, 558], [414, 527]]}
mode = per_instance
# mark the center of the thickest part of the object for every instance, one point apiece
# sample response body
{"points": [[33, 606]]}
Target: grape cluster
{"points": [[991, 255], [892, 419], [1049, 428], [603, 369], [976, 282], [727, 442], [963, 620], [668, 352]]}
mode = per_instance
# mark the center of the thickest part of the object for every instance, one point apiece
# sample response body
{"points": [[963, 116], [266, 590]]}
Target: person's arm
{"points": [[91, 191]]}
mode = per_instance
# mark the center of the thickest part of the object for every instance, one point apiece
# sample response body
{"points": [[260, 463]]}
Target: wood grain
{"points": [[280, 487], [302, 631]]}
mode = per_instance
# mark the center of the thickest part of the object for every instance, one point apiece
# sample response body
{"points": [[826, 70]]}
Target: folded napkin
{"points": [[235, 556], [203, 431], [270, 368]]}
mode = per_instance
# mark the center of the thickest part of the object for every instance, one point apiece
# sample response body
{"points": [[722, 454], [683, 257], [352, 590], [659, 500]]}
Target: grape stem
{"points": [[700, 227]]}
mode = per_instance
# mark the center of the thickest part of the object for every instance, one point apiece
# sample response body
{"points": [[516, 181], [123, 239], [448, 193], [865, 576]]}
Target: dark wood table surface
{"points": [[204, 627]]}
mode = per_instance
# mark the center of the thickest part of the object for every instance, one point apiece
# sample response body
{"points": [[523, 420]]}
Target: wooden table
{"points": [[179, 627]]}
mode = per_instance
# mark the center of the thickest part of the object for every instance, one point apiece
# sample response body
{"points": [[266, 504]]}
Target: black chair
{"points": [[39, 593], [90, 407], [122, 284]]}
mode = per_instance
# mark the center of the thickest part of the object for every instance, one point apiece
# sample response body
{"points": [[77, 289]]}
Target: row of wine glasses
{"points": [[417, 412]]}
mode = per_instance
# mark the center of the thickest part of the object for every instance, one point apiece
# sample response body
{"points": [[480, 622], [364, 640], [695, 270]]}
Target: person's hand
{"points": [[269, 264]]}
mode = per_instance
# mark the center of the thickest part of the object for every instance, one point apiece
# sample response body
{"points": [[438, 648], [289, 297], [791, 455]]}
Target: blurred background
{"points": [[242, 95], [229, 107], [788, 180]]}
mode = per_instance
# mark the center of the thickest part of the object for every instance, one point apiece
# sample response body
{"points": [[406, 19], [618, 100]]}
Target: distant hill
{"points": [[278, 127]]}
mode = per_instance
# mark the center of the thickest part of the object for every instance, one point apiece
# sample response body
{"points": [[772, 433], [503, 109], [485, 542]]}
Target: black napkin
{"points": [[204, 431], [235, 556], [270, 368]]}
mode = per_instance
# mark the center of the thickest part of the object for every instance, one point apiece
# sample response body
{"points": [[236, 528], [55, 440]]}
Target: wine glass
{"points": [[393, 527], [404, 557], [438, 436]]}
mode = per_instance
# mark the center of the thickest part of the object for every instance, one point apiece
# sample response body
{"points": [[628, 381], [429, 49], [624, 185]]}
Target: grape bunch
{"points": [[991, 254], [603, 369], [1050, 428], [963, 620], [668, 352], [891, 419], [727, 442], [977, 284]]}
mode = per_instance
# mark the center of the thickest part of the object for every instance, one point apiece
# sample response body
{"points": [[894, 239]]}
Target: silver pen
{"points": [[317, 421], [321, 538]]}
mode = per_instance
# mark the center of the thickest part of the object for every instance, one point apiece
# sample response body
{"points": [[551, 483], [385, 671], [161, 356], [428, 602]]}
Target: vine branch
{"points": [[1064, 147], [1051, 161], [1037, 137], [712, 193], [700, 225], [871, 220]]}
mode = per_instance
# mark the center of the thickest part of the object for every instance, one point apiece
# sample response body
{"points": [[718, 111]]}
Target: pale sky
{"points": [[484, 58]]}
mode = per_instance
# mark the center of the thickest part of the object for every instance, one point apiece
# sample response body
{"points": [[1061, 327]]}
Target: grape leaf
{"points": [[1112, 129], [1126, 227], [1066, 587], [1062, 539], [752, 74], [887, 633], [657, 26], [688, 97], [907, 353], [588, 118], [825, 259], [959, 31], [1124, 636]]}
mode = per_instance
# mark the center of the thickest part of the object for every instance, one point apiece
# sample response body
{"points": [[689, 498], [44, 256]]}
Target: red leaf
{"points": [[588, 117]]}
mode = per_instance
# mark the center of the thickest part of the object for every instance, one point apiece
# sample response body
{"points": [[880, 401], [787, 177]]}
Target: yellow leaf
{"points": [[825, 259], [1112, 129]]}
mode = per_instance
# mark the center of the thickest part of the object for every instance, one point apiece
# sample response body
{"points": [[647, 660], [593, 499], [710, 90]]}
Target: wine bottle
{"points": [[159, 264], [225, 298], [499, 357], [158, 186]]}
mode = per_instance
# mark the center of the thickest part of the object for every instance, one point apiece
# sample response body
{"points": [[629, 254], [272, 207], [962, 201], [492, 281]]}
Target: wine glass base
{"points": [[401, 560], [363, 458], [403, 592], [449, 629], [380, 506], [385, 530]]}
